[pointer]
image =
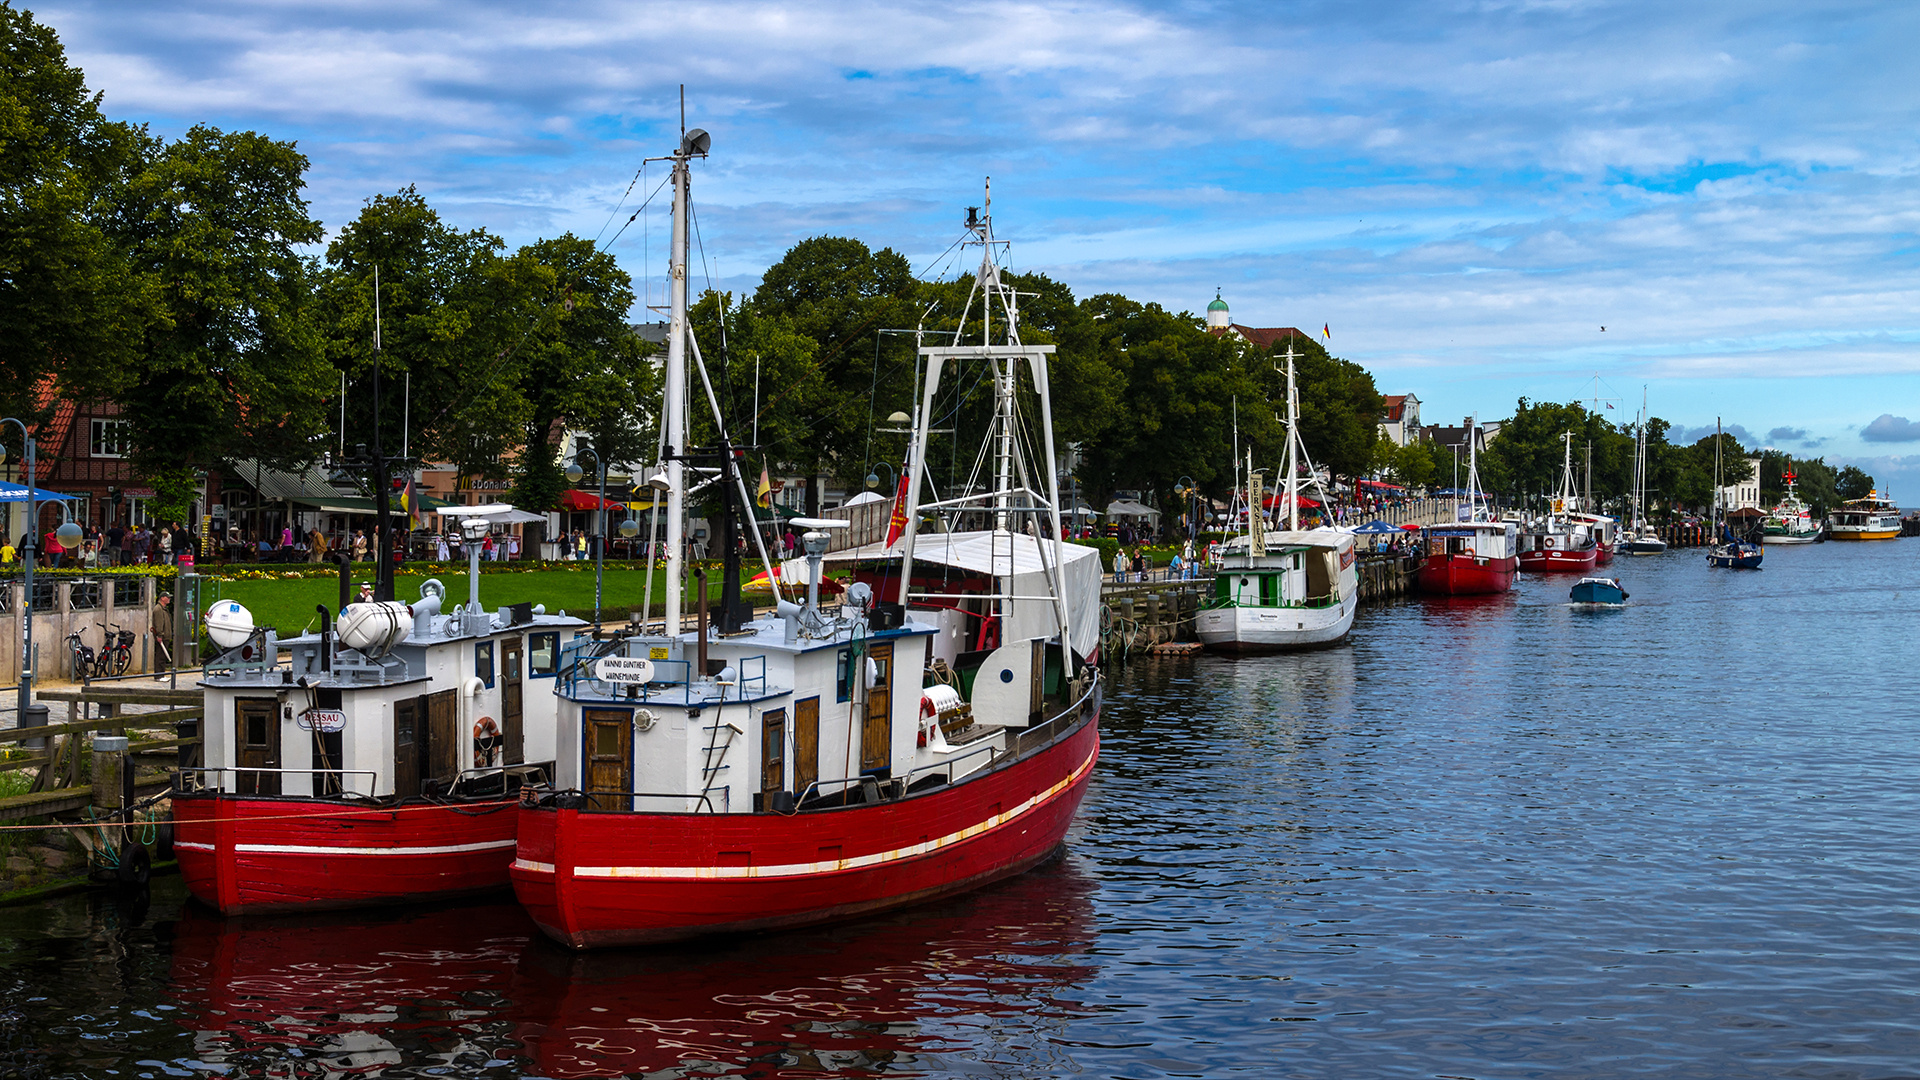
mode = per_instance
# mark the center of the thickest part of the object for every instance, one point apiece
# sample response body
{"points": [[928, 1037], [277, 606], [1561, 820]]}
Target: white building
{"points": [[1743, 494]]}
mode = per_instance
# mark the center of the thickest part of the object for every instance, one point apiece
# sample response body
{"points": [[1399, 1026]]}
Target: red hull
{"points": [[1604, 555], [593, 879], [1465, 575], [1556, 561], [246, 854]]}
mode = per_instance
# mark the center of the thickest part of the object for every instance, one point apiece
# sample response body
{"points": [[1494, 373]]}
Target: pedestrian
{"points": [[440, 547], [580, 544], [316, 545], [142, 543], [8, 552], [359, 545], [160, 625], [486, 549], [115, 551], [286, 536], [1119, 564], [53, 549]]}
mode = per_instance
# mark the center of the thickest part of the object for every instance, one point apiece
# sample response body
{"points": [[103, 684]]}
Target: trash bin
{"points": [[34, 715]]}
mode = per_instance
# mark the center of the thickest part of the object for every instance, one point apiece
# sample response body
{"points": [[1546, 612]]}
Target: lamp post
{"points": [[28, 551], [1186, 488], [574, 474]]}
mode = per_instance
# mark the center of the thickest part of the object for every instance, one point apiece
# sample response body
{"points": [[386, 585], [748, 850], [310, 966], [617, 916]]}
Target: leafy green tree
{"points": [[450, 313], [73, 304], [1414, 466], [1816, 481], [840, 294], [1853, 483], [236, 366]]}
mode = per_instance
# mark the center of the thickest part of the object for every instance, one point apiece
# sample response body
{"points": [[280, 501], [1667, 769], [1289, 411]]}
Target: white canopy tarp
{"points": [[1129, 508], [497, 513], [1004, 555]]}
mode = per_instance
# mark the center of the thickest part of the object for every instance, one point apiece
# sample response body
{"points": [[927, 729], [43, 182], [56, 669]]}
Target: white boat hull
{"points": [[1274, 629], [1808, 538]]}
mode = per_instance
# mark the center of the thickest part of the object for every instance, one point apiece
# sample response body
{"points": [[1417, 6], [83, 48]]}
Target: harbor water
{"points": [[1490, 838]]}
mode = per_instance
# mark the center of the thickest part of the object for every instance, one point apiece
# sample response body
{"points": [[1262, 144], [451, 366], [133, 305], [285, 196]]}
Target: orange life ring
{"points": [[485, 728]]}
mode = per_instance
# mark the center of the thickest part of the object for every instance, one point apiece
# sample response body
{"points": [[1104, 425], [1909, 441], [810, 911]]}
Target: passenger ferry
{"points": [[1871, 518]]}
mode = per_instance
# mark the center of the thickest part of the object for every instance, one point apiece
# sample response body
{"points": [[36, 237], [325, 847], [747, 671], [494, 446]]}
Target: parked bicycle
{"points": [[114, 656]]}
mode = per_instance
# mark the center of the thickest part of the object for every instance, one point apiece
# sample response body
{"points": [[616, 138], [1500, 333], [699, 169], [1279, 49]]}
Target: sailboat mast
{"points": [[676, 391], [1473, 474], [1293, 436]]}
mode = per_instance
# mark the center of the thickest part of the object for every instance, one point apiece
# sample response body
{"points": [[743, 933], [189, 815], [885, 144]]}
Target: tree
{"points": [[73, 305], [1853, 483], [450, 313], [1414, 465], [235, 365], [840, 294], [580, 361]]}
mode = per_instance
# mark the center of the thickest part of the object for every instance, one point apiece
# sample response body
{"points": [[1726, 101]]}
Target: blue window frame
{"points": [[483, 662]]}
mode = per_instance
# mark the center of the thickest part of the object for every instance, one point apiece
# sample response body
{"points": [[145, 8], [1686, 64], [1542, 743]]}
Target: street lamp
{"points": [[28, 551], [1185, 487], [873, 474], [574, 474]]}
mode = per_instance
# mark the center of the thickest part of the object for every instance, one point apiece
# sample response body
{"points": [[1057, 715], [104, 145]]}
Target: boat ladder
{"points": [[716, 756]]}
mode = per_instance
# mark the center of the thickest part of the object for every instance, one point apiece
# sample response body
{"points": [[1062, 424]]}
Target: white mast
{"points": [[1473, 475], [676, 389], [1293, 435]]}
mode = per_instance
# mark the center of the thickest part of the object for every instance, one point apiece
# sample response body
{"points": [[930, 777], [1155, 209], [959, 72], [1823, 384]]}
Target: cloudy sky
{"points": [[1466, 192]]}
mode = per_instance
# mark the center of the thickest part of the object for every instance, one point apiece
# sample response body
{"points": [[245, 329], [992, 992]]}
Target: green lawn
{"points": [[287, 605]]}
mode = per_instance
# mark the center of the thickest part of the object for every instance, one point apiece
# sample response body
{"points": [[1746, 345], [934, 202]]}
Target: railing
{"points": [[989, 750], [316, 774]]}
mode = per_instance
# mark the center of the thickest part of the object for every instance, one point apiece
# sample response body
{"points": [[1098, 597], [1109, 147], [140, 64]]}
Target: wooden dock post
{"points": [[110, 773]]}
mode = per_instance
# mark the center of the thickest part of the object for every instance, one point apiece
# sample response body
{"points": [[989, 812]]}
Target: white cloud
{"points": [[1890, 428]]}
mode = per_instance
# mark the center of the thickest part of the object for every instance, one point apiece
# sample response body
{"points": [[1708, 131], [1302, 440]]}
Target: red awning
{"points": [[585, 500], [1381, 485], [1279, 502]]}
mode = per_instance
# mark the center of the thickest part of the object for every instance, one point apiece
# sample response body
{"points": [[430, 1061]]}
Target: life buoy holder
{"points": [[486, 736], [485, 728]]}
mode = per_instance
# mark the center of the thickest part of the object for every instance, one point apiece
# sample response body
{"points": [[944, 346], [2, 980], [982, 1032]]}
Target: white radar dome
{"points": [[229, 624]]}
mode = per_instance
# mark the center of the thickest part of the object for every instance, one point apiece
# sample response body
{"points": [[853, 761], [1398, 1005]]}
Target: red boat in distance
{"points": [[1475, 554], [1469, 558], [1558, 553]]}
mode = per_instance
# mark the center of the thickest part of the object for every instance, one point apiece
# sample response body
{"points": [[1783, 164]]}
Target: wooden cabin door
{"points": [[773, 751], [256, 739], [876, 733], [806, 744], [443, 735], [406, 747], [609, 747], [510, 703]]}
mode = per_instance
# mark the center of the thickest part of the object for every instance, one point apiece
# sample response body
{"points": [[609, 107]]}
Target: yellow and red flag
{"points": [[897, 527], [765, 495]]}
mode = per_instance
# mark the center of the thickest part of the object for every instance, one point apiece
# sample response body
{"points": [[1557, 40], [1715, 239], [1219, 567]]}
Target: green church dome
{"points": [[1218, 304]]}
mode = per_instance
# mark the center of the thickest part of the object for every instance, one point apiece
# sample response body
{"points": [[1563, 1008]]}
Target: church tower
{"points": [[1217, 318]]}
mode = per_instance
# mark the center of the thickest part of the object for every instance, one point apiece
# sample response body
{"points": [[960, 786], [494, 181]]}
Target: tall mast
{"points": [[676, 389], [1293, 436], [1473, 474]]}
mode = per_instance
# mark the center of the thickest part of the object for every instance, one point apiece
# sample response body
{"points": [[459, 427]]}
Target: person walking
{"points": [[160, 625], [1119, 564], [440, 549], [166, 545], [359, 545]]}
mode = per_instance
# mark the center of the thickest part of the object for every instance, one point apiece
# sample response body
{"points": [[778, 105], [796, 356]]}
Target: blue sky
{"points": [[1465, 191]]}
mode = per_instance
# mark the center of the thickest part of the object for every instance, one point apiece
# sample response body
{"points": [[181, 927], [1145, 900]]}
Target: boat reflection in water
{"points": [[475, 990]]}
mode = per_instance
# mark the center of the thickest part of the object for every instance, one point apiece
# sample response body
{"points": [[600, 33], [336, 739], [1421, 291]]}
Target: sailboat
{"points": [[1292, 589], [816, 764], [1557, 543], [1731, 553], [1640, 537], [1476, 552]]}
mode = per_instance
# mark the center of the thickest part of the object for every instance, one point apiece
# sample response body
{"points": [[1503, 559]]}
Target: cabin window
{"points": [[842, 679], [606, 740], [543, 653], [483, 662], [256, 729]]}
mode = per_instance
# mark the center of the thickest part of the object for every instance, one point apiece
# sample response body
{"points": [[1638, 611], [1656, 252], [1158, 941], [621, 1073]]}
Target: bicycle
{"points": [[113, 658]]}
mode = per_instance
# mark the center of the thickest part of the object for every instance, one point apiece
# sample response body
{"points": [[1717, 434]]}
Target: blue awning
{"points": [[12, 493]]}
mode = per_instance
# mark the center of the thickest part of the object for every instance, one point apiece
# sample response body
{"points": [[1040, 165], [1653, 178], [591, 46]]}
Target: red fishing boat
{"points": [[1475, 554], [380, 764], [1563, 541], [821, 763]]}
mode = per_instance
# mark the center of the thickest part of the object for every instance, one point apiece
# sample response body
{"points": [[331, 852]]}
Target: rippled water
{"points": [[1488, 839]]}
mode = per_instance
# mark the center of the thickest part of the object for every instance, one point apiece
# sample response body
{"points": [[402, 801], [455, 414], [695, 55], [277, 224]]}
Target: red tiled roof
{"points": [[52, 435], [1263, 336], [1396, 405]]}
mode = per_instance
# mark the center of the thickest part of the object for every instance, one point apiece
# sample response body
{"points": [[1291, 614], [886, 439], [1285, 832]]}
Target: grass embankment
{"points": [[287, 604]]}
